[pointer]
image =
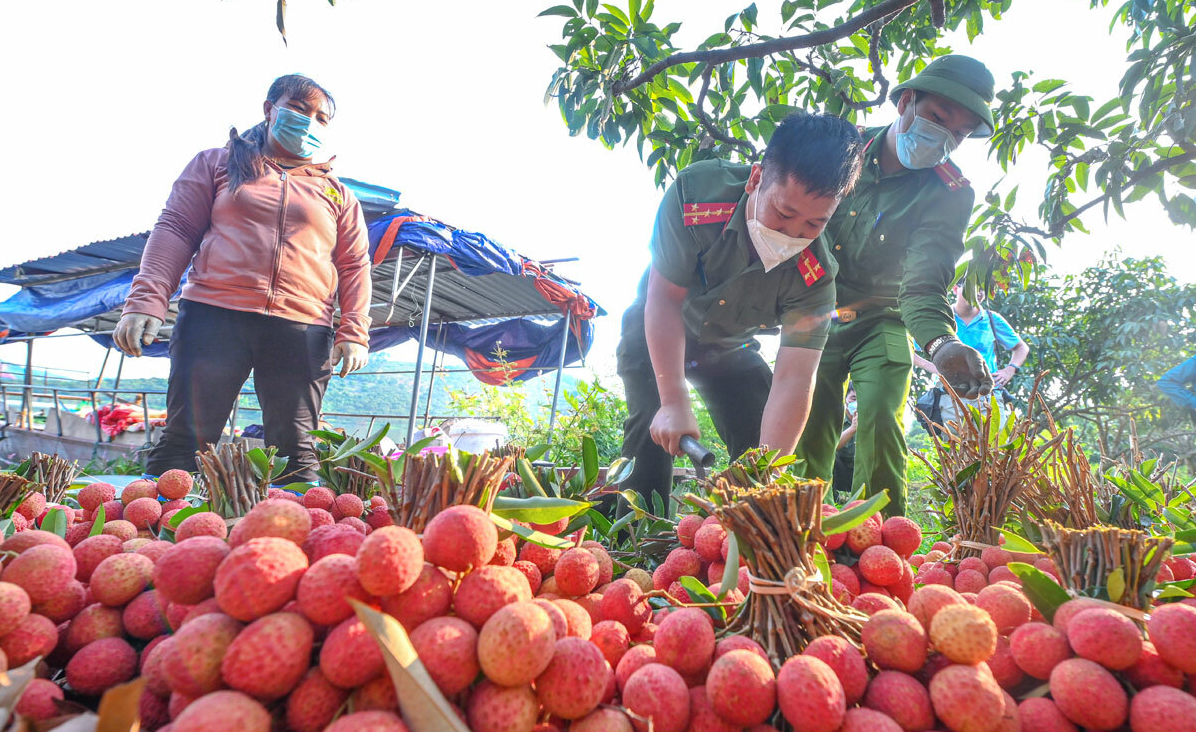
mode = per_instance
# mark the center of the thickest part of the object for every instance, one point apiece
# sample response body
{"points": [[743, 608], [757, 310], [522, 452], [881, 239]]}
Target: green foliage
{"points": [[622, 78], [1103, 338]]}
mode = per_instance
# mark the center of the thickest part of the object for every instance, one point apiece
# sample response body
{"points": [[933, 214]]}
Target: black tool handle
{"points": [[697, 452]]}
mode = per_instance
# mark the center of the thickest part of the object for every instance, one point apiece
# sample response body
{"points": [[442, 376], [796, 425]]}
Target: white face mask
{"points": [[925, 144], [773, 246]]}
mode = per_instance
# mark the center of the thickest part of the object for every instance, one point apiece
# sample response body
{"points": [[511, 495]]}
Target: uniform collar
{"points": [[737, 226], [872, 152]]}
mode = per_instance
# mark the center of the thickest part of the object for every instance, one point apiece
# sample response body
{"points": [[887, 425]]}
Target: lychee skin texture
{"points": [[1039, 714], [145, 616], [1105, 636], [37, 701], [333, 539], [325, 588], [350, 657], [495, 708], [101, 665], [143, 512], [573, 683], [901, 697], [120, 578], [274, 517], [543, 557], [319, 497], [448, 648], [486, 589], [967, 698], [870, 603], [516, 644], [687, 529], [633, 660], [576, 572], [964, 634], [928, 600], [93, 622], [42, 571], [185, 573], [91, 496], [742, 688], [205, 523], [708, 542], [223, 711], [192, 665], [810, 695], [311, 706], [1172, 629], [1162, 709], [123, 530], [895, 640], [429, 597], [1068, 610], [623, 601], [35, 635], [377, 695], [14, 606], [174, 484], [269, 657], [1150, 670], [902, 535], [259, 577], [863, 536], [612, 639], [603, 720], [881, 566], [1088, 695], [659, 693], [1007, 606], [459, 538], [845, 660], [368, 721], [578, 621], [389, 561], [868, 720], [685, 640]]}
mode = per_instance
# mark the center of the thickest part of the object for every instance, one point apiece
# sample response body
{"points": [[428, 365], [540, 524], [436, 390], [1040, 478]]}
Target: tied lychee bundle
{"points": [[432, 482], [229, 479], [1088, 558], [53, 474], [12, 491], [789, 604]]}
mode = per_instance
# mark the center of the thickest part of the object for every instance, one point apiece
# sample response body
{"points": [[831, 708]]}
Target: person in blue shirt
{"points": [[983, 330], [1180, 384]]}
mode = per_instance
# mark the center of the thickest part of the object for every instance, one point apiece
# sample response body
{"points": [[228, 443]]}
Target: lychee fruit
{"points": [[902, 535], [273, 517], [895, 640], [448, 649], [685, 640], [868, 720], [93, 622], [863, 536], [902, 698], [43, 571], [313, 703], [810, 695], [144, 512], [120, 578], [185, 573], [14, 606], [967, 698], [623, 601], [881, 566], [579, 623], [145, 616], [205, 523], [708, 542], [1105, 636], [1150, 670], [460, 538], [121, 529], [1088, 694], [1172, 629], [1039, 714], [486, 589], [543, 557], [742, 688], [269, 656], [100, 665], [34, 635], [319, 497], [1162, 709], [259, 577], [350, 657], [174, 484], [871, 603], [929, 600], [91, 496], [334, 539], [658, 693], [37, 701], [389, 561], [192, 665], [377, 695], [222, 711], [576, 572], [368, 721], [494, 708], [429, 597], [612, 639], [1007, 606], [574, 681], [325, 588], [516, 644], [845, 660], [964, 634]]}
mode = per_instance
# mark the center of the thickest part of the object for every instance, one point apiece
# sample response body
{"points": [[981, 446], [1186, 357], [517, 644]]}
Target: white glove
{"points": [[135, 330]]}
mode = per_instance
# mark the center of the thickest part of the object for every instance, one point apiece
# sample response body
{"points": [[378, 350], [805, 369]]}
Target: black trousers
{"points": [[212, 352], [733, 384]]}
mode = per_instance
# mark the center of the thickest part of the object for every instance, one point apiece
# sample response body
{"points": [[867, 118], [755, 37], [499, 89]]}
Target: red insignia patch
{"points": [[707, 213], [952, 176], [809, 267]]}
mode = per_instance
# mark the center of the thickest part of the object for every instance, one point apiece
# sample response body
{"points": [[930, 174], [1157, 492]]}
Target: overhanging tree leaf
{"points": [[849, 519], [1040, 588], [538, 509]]}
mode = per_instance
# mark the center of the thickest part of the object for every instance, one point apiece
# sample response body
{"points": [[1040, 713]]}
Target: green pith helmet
{"points": [[963, 80]]}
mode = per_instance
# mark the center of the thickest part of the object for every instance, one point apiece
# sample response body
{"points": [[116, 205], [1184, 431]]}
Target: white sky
{"points": [[109, 99]]}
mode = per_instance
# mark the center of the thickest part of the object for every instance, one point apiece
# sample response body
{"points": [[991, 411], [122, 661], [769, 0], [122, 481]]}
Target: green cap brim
{"points": [[957, 93]]}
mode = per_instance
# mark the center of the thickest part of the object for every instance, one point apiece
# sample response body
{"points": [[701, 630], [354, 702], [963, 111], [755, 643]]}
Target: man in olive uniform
{"points": [[897, 238], [735, 249]]}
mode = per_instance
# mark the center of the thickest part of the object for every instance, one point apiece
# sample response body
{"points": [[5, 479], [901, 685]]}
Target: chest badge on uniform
{"points": [[809, 267], [708, 213]]}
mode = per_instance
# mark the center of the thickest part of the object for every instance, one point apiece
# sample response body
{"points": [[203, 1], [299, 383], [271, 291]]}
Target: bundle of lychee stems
{"points": [[228, 475], [53, 474], [778, 527], [432, 482], [12, 491], [1087, 558]]}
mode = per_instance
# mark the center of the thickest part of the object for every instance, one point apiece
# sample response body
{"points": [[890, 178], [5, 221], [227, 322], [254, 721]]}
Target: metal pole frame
{"points": [[120, 366], [103, 365], [27, 400], [437, 361], [419, 355], [560, 371]]}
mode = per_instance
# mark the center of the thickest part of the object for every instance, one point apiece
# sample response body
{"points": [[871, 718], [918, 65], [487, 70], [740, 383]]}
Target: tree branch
{"points": [[1157, 166], [717, 56], [878, 75], [748, 149]]}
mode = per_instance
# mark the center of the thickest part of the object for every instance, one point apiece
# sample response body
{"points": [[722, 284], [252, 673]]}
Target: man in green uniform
{"points": [[897, 238], [735, 249]]}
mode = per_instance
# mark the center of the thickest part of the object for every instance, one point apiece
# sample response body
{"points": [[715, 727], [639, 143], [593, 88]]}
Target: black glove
{"points": [[962, 367]]}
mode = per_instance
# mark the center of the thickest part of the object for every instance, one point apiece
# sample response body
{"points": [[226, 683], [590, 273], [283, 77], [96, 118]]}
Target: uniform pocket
{"points": [[898, 348]]}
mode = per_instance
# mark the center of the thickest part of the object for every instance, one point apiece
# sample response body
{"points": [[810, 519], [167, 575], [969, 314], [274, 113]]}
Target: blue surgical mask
{"points": [[297, 133], [925, 144]]}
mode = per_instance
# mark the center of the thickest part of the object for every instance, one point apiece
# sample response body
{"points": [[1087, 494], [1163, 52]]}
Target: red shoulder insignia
{"points": [[708, 213], [809, 267], [952, 176]]}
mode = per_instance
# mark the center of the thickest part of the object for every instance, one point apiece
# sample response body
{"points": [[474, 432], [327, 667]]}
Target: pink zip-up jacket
{"points": [[292, 244]]}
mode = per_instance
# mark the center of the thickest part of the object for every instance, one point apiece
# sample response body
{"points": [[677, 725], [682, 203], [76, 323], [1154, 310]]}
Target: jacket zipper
{"points": [[282, 217]]}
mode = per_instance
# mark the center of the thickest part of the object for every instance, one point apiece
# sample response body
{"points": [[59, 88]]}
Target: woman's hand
{"points": [[135, 330], [351, 356]]}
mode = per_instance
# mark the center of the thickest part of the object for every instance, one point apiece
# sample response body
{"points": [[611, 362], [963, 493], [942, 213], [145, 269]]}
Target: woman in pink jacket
{"points": [[274, 242]]}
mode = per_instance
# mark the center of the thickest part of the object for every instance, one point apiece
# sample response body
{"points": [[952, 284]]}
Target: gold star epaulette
{"points": [[952, 176], [810, 268], [707, 213]]}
